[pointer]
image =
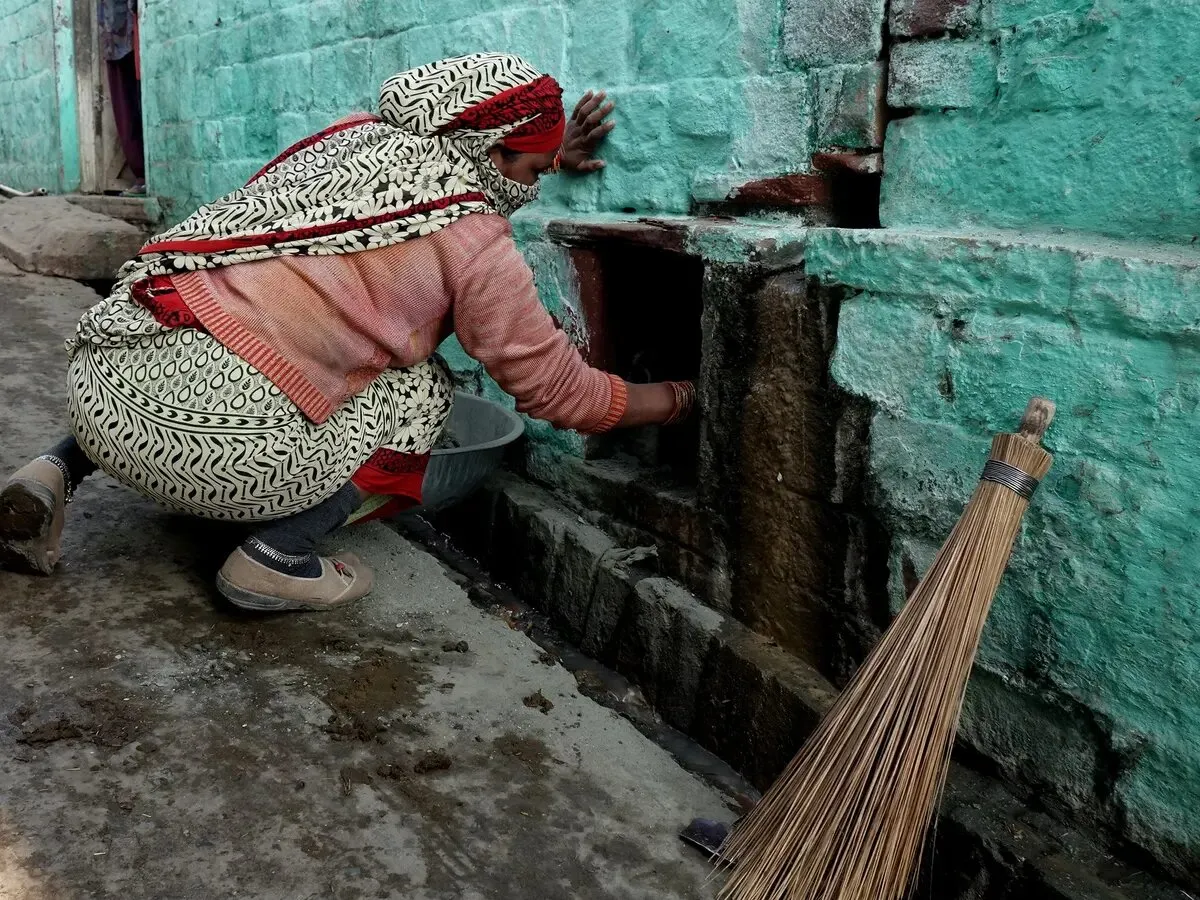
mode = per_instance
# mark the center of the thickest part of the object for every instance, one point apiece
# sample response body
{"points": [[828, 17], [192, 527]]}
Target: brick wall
{"points": [[1084, 690], [30, 156], [1046, 113], [1040, 116], [710, 94]]}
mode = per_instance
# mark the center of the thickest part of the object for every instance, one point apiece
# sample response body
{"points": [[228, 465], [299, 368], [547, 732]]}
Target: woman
{"points": [[271, 359]]}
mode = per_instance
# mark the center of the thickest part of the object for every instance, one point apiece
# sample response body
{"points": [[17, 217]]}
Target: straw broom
{"points": [[848, 818]]}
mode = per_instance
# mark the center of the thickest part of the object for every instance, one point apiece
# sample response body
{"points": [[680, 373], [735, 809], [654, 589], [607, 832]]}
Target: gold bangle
{"points": [[685, 400]]}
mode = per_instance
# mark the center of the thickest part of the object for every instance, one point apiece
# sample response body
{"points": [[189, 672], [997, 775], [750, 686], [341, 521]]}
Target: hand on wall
{"points": [[586, 128]]}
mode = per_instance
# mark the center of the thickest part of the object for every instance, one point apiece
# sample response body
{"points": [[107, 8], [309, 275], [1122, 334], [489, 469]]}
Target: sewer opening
{"points": [[643, 307]]}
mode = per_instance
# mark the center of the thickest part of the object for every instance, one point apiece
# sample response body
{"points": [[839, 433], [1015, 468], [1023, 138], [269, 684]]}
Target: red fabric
{"points": [[390, 473], [547, 142], [158, 295], [540, 98]]}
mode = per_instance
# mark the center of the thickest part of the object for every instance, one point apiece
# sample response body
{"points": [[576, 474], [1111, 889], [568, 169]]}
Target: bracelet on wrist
{"points": [[685, 401]]}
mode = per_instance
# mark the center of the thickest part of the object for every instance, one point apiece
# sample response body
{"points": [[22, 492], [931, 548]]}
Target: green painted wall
{"points": [[704, 90], [1049, 113], [1055, 123], [30, 151], [1088, 689]]}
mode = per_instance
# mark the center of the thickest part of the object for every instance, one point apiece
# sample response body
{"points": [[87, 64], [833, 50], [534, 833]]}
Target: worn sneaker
{"points": [[31, 518], [247, 583]]}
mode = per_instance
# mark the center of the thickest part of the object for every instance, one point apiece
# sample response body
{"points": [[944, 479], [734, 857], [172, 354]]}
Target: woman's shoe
{"points": [[249, 584], [32, 506]]}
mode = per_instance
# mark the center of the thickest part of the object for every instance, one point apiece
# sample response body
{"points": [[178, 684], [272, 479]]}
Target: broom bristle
{"points": [[848, 818]]}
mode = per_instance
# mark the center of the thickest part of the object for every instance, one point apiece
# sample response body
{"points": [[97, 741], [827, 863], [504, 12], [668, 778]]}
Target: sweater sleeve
{"points": [[501, 322]]}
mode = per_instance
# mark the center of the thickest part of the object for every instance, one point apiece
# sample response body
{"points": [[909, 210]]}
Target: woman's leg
{"points": [[32, 507], [277, 567]]}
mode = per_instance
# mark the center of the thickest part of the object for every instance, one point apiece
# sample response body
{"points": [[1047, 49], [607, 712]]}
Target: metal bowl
{"points": [[483, 430]]}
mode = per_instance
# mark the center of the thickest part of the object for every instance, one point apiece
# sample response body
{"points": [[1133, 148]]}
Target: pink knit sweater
{"points": [[322, 327]]}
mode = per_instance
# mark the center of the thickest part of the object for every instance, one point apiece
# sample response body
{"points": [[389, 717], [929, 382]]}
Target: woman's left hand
{"points": [[586, 128]]}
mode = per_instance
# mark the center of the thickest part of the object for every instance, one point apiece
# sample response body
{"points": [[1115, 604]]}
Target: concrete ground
{"points": [[154, 743]]}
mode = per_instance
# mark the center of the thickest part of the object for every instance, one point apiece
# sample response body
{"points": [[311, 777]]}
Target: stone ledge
{"points": [[744, 698], [1092, 278], [140, 211], [52, 236], [770, 244]]}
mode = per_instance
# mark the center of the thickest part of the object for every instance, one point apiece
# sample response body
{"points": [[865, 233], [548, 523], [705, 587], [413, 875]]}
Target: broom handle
{"points": [[1038, 416]]}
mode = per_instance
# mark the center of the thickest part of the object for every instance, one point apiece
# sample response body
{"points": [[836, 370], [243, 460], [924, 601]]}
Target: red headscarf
{"points": [[540, 99]]}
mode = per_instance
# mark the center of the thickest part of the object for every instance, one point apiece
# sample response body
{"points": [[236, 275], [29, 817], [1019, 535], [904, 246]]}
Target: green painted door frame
{"points": [[68, 95]]}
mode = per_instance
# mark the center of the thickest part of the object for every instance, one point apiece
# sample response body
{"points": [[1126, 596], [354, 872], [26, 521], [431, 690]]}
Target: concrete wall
{"points": [[30, 153], [1046, 113], [708, 93], [1043, 115]]}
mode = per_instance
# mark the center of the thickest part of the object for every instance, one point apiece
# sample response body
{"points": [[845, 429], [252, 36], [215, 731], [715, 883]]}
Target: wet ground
{"points": [[154, 743]]}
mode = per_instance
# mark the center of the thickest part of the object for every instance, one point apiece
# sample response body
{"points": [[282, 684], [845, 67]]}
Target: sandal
{"points": [[32, 507], [248, 584]]}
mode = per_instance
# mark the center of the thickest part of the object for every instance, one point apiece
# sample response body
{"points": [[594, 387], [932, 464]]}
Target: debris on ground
{"points": [[591, 685], [546, 658], [456, 647], [529, 750], [433, 761], [364, 697], [98, 718], [537, 700], [350, 776]]}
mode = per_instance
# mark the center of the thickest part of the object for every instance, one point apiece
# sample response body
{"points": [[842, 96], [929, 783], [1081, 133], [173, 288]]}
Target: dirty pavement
{"points": [[153, 743]]}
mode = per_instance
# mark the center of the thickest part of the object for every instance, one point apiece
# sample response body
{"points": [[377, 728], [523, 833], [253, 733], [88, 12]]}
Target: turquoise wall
{"points": [[708, 94], [1030, 133], [1047, 113], [30, 151], [1089, 682]]}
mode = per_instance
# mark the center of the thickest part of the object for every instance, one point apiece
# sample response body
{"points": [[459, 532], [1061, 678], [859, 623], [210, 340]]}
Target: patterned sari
{"points": [[162, 406]]}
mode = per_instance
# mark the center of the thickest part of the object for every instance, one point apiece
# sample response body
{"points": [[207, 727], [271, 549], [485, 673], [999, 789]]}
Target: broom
{"points": [[848, 818]]}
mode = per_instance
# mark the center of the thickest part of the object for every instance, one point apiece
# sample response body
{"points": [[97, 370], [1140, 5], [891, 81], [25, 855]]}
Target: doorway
{"points": [[104, 164]]}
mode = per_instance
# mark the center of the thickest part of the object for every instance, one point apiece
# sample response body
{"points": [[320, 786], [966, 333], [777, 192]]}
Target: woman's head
{"points": [[495, 109]]}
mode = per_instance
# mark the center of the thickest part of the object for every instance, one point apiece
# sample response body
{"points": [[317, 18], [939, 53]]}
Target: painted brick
{"points": [[337, 71], [1060, 64], [601, 41], [234, 46], [283, 31], [829, 32], [1063, 168], [30, 153], [924, 18], [413, 48], [942, 74], [951, 335], [850, 109], [699, 38], [537, 33], [778, 135], [701, 108], [1007, 13]]}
